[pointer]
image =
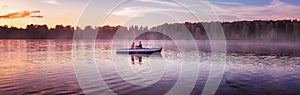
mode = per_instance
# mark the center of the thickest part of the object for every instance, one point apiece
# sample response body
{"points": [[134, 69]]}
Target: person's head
{"points": [[140, 42]]}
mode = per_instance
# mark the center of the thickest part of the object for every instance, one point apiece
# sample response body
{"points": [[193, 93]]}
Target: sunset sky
{"points": [[20, 13]]}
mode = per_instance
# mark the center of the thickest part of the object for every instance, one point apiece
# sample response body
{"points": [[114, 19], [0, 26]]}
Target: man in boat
{"points": [[140, 46]]}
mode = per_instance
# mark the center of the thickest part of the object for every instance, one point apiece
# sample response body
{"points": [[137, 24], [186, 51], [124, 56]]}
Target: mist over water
{"points": [[45, 67]]}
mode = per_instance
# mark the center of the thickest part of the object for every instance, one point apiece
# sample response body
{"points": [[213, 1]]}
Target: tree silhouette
{"points": [[287, 30]]}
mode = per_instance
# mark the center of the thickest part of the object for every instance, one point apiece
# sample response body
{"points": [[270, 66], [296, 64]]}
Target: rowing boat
{"points": [[140, 51]]}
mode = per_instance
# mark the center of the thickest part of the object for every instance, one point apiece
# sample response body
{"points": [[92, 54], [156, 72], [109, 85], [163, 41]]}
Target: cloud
{"points": [[163, 2], [228, 3], [275, 10], [139, 11], [227, 11], [22, 14], [134, 11], [38, 16], [4, 7], [139, 7], [52, 2]]}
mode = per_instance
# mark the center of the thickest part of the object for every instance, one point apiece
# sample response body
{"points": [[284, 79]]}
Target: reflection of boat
{"points": [[140, 51], [138, 57], [147, 55]]}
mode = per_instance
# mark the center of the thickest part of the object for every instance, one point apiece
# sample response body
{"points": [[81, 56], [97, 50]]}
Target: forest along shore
{"points": [[281, 30]]}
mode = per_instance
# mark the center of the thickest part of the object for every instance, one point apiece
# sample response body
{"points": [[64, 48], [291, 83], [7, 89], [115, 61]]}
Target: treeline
{"points": [[284, 30], [64, 32], [287, 30], [37, 32]]}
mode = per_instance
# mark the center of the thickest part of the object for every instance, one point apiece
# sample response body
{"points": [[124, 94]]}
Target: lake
{"points": [[93, 67]]}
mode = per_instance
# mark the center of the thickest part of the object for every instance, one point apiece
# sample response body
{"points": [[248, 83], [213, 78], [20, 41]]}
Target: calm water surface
{"points": [[46, 67]]}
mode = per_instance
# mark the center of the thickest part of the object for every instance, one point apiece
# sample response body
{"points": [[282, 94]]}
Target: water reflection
{"points": [[138, 58], [45, 67]]}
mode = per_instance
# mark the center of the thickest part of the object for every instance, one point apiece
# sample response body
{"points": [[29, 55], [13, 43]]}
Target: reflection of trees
{"points": [[240, 30]]}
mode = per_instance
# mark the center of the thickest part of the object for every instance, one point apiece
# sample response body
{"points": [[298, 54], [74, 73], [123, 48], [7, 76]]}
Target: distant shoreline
{"points": [[281, 30]]}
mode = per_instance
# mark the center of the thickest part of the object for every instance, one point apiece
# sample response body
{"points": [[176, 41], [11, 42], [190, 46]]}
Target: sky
{"points": [[20, 13]]}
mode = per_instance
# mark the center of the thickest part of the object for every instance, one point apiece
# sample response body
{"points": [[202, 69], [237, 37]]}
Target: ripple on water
{"points": [[29, 67]]}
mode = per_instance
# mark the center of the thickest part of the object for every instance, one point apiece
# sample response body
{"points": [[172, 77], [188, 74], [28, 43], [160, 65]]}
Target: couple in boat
{"points": [[140, 46], [139, 49]]}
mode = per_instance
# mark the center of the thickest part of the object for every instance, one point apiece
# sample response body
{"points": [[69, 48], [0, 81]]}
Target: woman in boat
{"points": [[132, 45]]}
